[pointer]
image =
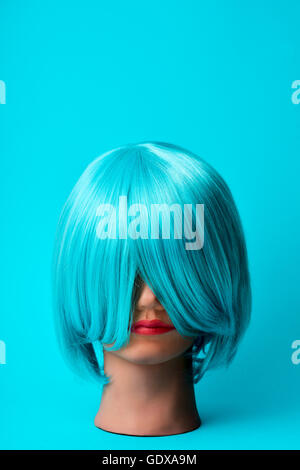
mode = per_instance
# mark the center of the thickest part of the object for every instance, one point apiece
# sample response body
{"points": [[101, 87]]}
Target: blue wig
{"points": [[206, 292]]}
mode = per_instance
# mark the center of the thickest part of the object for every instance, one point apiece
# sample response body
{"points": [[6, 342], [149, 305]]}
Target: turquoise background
{"points": [[84, 77]]}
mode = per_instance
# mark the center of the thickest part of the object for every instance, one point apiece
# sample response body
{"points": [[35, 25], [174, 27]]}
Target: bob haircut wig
{"points": [[206, 292]]}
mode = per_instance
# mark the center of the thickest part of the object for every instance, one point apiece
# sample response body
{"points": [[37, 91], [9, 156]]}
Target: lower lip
{"points": [[142, 330]]}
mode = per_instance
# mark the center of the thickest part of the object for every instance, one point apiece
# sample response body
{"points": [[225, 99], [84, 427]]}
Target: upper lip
{"points": [[152, 324]]}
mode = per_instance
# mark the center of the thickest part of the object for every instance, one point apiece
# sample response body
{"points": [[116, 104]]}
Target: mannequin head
{"points": [[105, 280]]}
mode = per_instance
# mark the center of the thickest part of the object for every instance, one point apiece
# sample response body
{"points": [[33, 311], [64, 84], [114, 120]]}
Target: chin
{"points": [[151, 353]]}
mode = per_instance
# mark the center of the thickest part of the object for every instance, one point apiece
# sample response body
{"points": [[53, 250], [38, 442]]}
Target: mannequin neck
{"points": [[147, 399]]}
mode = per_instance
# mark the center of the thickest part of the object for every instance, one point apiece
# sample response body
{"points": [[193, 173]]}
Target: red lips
{"points": [[151, 327]]}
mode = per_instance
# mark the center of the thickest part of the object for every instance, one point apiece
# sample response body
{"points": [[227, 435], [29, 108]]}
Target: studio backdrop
{"points": [[78, 79]]}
